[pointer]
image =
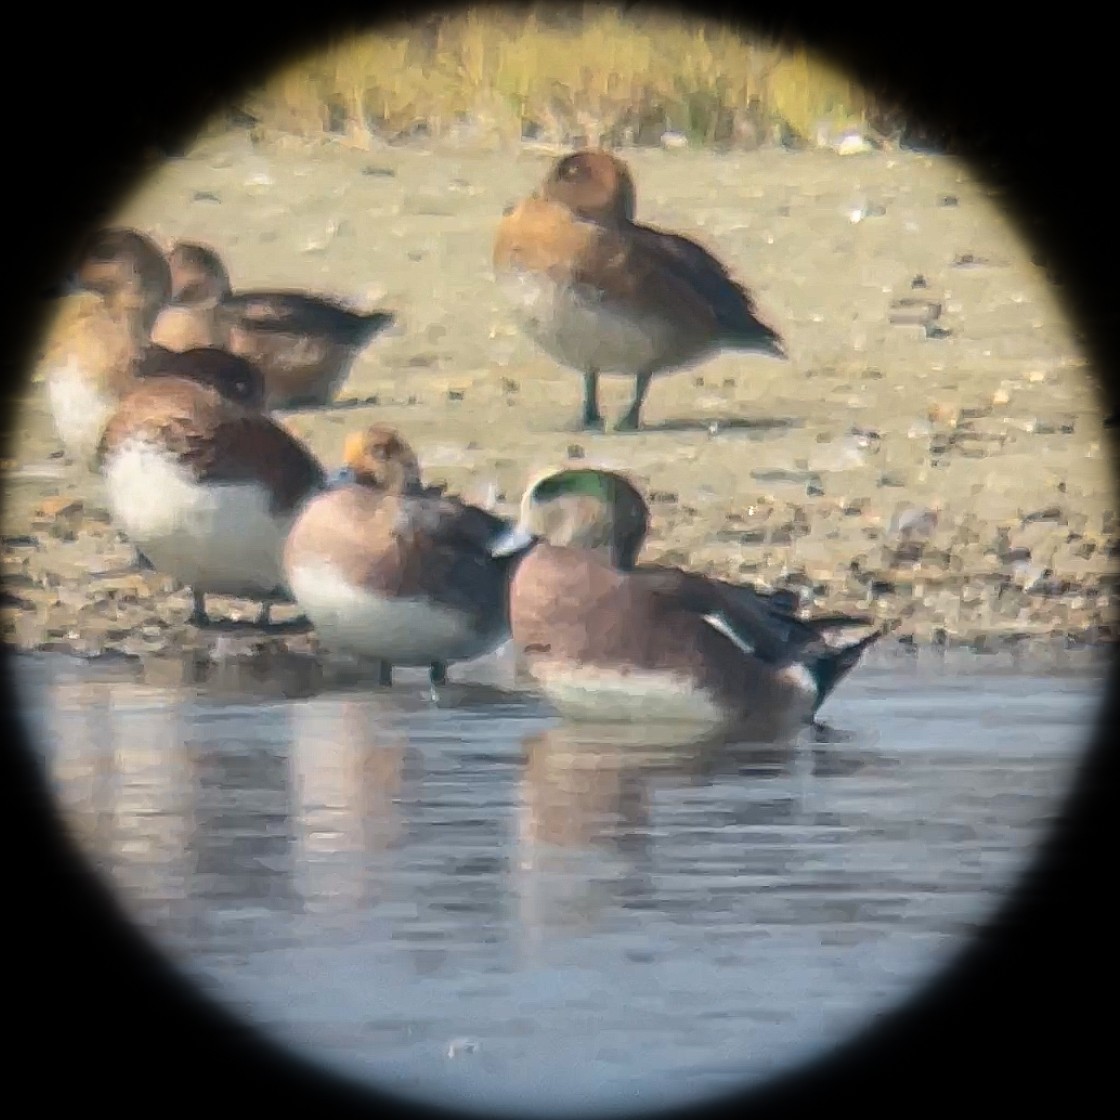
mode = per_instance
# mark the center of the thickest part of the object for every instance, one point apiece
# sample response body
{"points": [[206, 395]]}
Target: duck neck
{"points": [[137, 312]]}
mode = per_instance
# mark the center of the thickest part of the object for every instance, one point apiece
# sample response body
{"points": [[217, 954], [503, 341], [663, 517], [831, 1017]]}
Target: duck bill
{"points": [[343, 476], [511, 542]]}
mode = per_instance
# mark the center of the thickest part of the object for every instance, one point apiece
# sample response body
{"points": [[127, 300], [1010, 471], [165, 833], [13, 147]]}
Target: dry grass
{"points": [[598, 75]]}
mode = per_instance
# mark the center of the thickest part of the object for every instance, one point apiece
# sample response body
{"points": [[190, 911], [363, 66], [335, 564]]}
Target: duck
{"points": [[305, 345], [607, 639], [602, 293], [394, 571], [120, 282], [202, 482]]}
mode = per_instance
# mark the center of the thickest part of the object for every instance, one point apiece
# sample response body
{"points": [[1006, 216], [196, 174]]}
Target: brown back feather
{"points": [[220, 441]]}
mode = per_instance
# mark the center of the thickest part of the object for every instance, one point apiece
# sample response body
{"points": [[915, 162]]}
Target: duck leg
{"points": [[437, 675], [263, 619], [629, 422], [385, 674], [199, 617], [592, 417]]}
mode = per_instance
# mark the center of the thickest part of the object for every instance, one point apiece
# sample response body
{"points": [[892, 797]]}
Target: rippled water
{"points": [[472, 902]]}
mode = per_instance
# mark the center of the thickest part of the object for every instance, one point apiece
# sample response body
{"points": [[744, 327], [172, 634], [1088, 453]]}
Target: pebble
{"points": [[913, 522], [853, 144]]}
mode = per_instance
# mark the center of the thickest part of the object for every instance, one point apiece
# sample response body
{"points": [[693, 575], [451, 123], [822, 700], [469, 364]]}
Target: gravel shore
{"points": [[933, 452]]}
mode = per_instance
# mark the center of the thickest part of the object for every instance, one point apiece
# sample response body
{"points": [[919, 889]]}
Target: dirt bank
{"points": [[940, 462]]}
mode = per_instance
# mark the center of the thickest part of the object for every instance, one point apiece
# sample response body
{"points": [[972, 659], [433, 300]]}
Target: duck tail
{"points": [[772, 344], [756, 337], [831, 666], [373, 324]]}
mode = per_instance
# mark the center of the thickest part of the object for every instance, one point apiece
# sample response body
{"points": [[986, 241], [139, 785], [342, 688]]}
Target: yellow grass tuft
{"points": [[599, 75]]}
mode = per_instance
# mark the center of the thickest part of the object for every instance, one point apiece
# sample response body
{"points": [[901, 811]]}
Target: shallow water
{"points": [[472, 903]]}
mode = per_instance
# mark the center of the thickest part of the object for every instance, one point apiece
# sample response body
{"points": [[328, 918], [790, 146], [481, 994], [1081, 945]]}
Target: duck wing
{"points": [[729, 302], [286, 312]]}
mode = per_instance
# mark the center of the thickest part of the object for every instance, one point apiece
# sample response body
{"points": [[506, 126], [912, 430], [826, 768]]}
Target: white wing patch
{"points": [[718, 622], [795, 672]]}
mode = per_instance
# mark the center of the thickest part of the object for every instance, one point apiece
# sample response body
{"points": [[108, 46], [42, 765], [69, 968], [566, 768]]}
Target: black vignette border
{"points": [[1024, 100]]}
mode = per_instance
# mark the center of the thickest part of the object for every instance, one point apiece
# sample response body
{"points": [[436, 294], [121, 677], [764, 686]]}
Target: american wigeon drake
{"points": [[391, 570], [201, 481], [122, 280], [602, 293], [304, 345], [606, 639]]}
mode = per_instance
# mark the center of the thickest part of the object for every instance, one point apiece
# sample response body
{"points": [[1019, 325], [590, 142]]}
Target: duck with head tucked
{"points": [[602, 293], [201, 481], [607, 639], [121, 280], [394, 571], [304, 345]]}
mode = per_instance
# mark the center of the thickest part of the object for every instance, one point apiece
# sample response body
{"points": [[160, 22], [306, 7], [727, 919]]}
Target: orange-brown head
{"points": [[593, 184], [381, 459], [197, 274], [126, 268]]}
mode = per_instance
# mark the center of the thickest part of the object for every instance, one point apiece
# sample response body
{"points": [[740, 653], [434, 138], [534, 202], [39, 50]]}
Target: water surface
{"points": [[473, 903]]}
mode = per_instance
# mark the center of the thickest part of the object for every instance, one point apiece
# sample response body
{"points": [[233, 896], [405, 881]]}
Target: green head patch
{"points": [[620, 523], [585, 483]]}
